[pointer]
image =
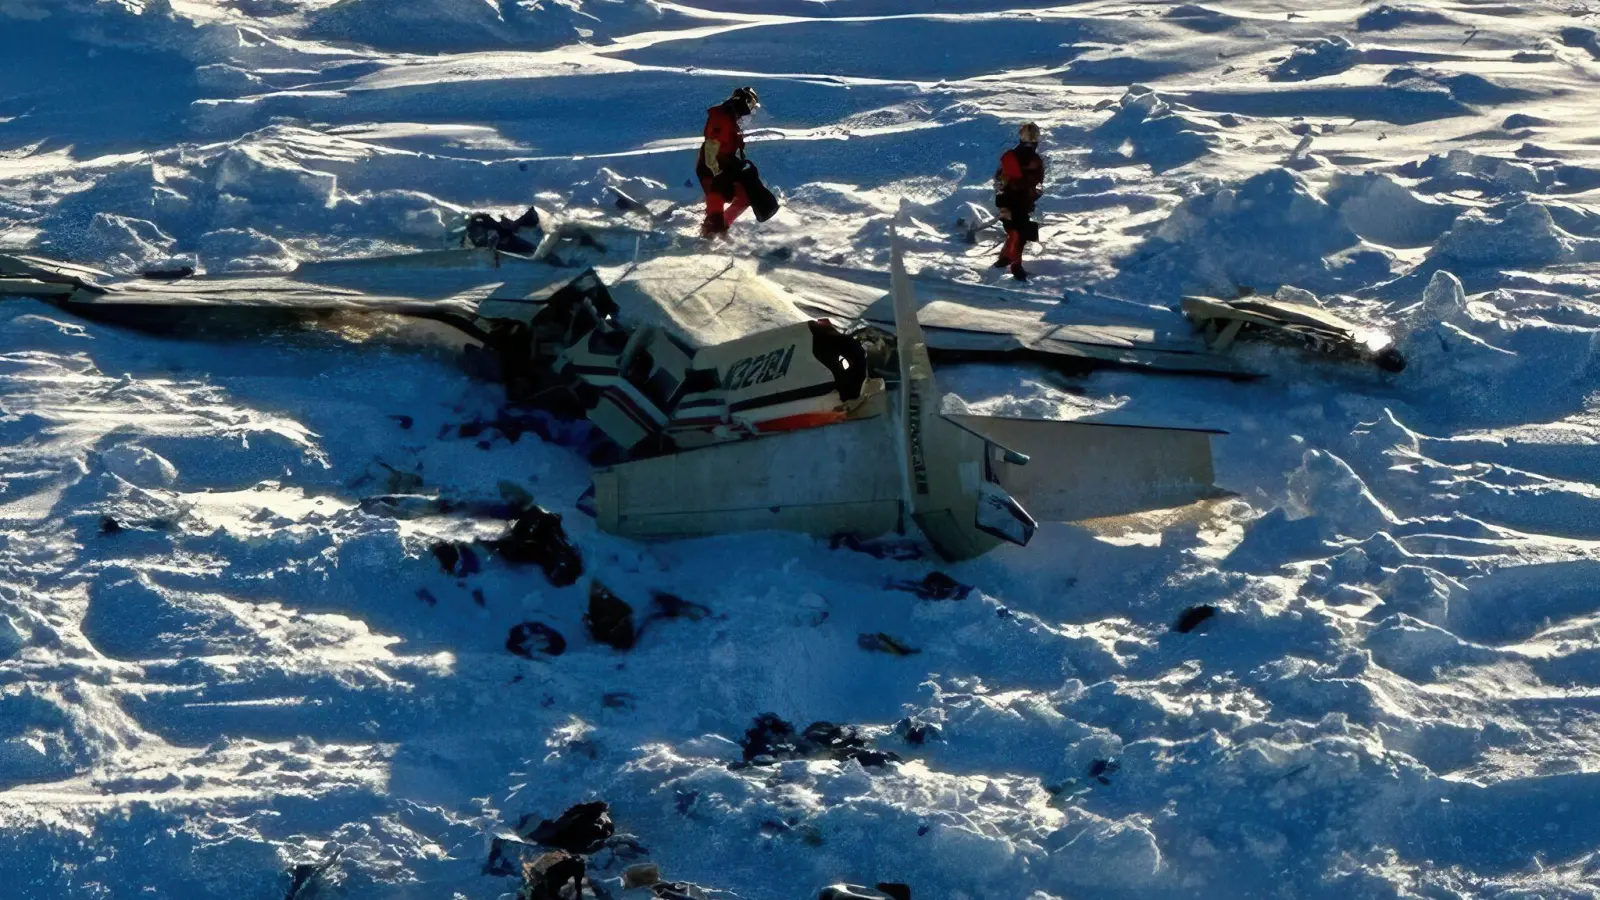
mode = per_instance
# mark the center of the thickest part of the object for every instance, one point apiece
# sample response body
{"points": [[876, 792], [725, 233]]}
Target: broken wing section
{"points": [[32, 276], [822, 481], [1085, 470]]}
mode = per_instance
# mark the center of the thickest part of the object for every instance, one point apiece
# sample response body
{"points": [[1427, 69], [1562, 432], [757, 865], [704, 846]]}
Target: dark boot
{"points": [[715, 226], [1018, 272], [1002, 262]]}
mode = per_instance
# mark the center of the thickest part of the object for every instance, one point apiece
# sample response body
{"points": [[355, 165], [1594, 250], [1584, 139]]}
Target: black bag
{"points": [[1022, 225], [762, 201]]}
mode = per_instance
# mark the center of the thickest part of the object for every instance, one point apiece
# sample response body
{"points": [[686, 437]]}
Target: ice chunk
{"points": [[1317, 59], [257, 172], [1523, 235], [1116, 855], [124, 244], [139, 466], [1266, 231], [1444, 299], [1381, 210], [1326, 487], [243, 249], [1418, 591], [11, 639]]}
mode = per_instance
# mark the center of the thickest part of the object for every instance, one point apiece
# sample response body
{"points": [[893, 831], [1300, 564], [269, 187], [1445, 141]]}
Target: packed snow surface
{"points": [[217, 662]]}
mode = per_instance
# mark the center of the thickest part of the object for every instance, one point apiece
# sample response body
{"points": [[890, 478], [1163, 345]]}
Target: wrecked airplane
{"points": [[872, 460], [791, 400]]}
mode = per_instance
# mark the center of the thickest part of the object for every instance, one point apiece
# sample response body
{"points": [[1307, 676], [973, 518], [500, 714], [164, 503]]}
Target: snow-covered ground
{"points": [[1399, 695]]}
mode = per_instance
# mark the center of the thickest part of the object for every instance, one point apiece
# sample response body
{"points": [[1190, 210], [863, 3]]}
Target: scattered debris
{"points": [[883, 643], [426, 596], [917, 732], [625, 849], [886, 890], [936, 586], [683, 890], [1101, 770], [583, 828], [478, 598], [173, 274], [399, 482], [1191, 618], [456, 558], [885, 548], [111, 525], [845, 742], [618, 700], [501, 233], [404, 421], [769, 735], [507, 853], [671, 606], [512, 426], [684, 800], [770, 739], [1311, 327], [538, 538], [641, 875], [307, 879], [529, 638], [544, 877], [609, 618], [406, 506]]}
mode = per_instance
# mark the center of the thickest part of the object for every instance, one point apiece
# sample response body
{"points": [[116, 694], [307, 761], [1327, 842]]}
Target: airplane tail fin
{"points": [[950, 486]]}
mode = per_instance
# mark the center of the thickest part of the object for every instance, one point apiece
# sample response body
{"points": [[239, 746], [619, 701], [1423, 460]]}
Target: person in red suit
{"points": [[722, 161], [1018, 184]]}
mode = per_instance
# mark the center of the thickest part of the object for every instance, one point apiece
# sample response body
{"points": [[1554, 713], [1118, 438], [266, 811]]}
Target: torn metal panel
{"points": [[1311, 327], [1088, 470]]}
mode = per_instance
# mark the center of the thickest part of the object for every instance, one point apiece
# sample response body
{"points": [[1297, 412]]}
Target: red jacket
{"points": [[723, 139], [1020, 177]]}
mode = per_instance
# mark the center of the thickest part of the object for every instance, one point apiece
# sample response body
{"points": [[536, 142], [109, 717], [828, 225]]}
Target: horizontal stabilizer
{"points": [[1086, 470], [823, 481]]}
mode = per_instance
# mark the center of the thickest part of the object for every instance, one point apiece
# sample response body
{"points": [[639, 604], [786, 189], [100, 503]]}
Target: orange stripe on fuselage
{"points": [[801, 421]]}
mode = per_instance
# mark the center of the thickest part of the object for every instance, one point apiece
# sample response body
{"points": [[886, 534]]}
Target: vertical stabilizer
{"points": [[949, 489], [917, 390]]}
